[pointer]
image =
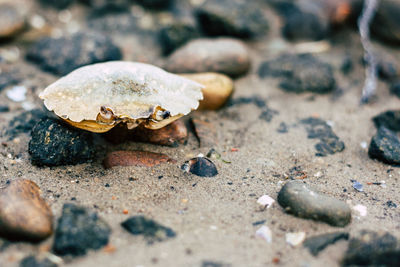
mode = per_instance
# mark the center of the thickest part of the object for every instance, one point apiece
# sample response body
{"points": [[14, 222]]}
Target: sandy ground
{"points": [[213, 216]]}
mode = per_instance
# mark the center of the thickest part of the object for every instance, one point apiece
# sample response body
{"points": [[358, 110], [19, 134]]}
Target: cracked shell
{"points": [[97, 97]]}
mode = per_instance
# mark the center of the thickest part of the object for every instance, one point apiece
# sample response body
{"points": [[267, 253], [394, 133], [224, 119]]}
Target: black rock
{"points": [[389, 119], [150, 229], [155, 4], [318, 243], [31, 261], [395, 88], [59, 4], [79, 230], [242, 19], [24, 122], [385, 146], [387, 70], [391, 204], [200, 166], [4, 108], [329, 141], [303, 21], [300, 200], [300, 73], [54, 143], [371, 248], [175, 35], [386, 23], [63, 55]]}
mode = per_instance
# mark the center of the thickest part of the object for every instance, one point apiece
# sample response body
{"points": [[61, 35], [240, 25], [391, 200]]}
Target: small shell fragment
{"points": [[99, 96]]}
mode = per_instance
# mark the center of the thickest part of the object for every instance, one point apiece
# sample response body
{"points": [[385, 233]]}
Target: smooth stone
{"points": [[224, 55], [53, 143], [217, 89], [385, 146], [135, 158], [389, 119], [300, 73], [79, 230], [300, 200], [11, 20], [316, 244], [370, 248], [242, 19], [386, 22], [24, 214], [150, 229], [62, 55], [200, 166]]}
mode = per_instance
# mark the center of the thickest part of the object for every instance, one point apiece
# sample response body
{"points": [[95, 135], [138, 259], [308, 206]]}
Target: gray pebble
{"points": [[385, 146]]}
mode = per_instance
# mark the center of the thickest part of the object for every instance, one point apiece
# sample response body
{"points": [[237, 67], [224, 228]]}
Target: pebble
{"points": [[265, 233], [4, 108], [242, 19], [54, 143], [361, 210], [24, 214], [150, 229], [300, 200], [17, 93], [32, 261], [200, 166], [300, 73], [215, 264], [175, 35], [79, 230], [385, 146], [11, 20], [265, 201], [135, 158], [389, 119], [329, 142], [62, 55], [370, 248], [205, 132], [59, 4], [318, 243], [224, 55], [386, 22], [295, 239], [217, 89]]}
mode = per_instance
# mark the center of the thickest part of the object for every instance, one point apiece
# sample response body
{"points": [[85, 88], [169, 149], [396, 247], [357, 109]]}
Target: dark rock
{"points": [[329, 141], [224, 55], [283, 128], [391, 204], [24, 122], [79, 230], [11, 21], [175, 35], [59, 4], [4, 108], [386, 23], [300, 73], [389, 119], [32, 261], [369, 248], [300, 200], [24, 214], [395, 88], [385, 146], [243, 19], [387, 70], [200, 166], [318, 243], [155, 4], [54, 143], [150, 229], [63, 55], [135, 158], [303, 21]]}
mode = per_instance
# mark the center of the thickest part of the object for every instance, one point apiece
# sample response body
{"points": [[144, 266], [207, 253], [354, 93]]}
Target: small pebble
{"points": [[265, 233], [17, 93], [265, 201], [389, 119], [316, 244], [32, 261], [224, 55], [358, 186], [295, 239], [361, 210], [200, 166], [385, 146], [24, 214], [150, 229], [12, 21], [79, 230], [54, 143], [135, 158], [300, 200]]}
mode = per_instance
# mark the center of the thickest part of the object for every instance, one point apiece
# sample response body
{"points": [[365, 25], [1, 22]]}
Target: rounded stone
{"points": [[385, 146], [11, 20]]}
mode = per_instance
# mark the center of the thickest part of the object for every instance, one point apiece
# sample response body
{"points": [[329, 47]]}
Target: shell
{"points": [[129, 91]]}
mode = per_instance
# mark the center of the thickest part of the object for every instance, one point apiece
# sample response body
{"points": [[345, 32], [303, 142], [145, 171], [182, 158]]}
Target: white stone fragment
{"points": [[17, 93], [295, 239], [265, 233], [361, 210], [265, 201]]}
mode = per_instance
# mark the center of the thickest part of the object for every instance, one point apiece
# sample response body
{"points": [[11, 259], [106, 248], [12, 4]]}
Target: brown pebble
{"points": [[135, 158], [205, 132], [223, 55], [11, 20], [218, 88], [24, 214]]}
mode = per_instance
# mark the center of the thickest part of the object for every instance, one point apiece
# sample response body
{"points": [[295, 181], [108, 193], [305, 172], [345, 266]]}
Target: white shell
{"points": [[131, 90]]}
